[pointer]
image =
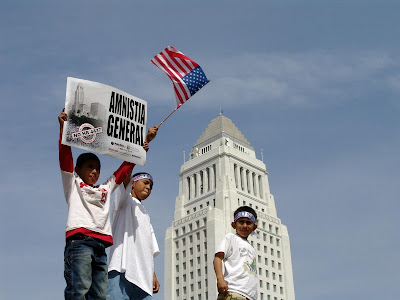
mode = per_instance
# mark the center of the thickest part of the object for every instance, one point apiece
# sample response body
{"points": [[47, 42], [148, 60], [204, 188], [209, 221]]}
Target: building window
{"points": [[177, 268], [261, 285], [177, 280], [177, 256], [184, 242], [183, 230], [278, 254], [191, 263], [190, 227], [184, 277], [177, 293]]}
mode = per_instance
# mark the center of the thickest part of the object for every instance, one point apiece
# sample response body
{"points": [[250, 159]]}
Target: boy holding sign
{"points": [[88, 230]]}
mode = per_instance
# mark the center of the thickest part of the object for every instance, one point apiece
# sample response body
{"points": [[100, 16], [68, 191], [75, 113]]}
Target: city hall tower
{"points": [[222, 174]]}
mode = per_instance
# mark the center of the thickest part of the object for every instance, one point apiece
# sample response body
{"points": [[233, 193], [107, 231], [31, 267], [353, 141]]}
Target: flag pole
{"points": [[168, 116]]}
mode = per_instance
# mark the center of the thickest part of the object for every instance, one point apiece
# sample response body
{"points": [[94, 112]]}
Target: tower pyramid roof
{"points": [[219, 126]]}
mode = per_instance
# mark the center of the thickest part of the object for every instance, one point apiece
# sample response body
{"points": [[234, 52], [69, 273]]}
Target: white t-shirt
{"points": [[135, 244], [240, 265], [88, 206]]}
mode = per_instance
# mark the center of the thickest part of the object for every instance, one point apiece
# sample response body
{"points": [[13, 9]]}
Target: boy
{"points": [[239, 281], [88, 230], [131, 266]]}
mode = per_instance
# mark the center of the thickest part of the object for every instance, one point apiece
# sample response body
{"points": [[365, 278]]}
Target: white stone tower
{"points": [[222, 174]]}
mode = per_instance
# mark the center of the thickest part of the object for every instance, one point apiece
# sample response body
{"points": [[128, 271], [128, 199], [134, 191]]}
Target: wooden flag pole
{"points": [[168, 116]]}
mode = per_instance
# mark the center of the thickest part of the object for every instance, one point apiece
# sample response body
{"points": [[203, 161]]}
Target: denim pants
{"points": [[119, 288], [85, 269]]}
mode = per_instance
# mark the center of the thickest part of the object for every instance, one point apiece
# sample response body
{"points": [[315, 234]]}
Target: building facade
{"points": [[222, 174]]}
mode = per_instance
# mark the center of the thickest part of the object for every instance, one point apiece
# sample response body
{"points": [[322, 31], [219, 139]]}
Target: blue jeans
{"points": [[119, 288], [85, 269]]}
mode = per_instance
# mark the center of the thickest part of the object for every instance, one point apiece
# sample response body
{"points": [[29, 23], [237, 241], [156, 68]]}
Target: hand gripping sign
{"points": [[105, 120]]}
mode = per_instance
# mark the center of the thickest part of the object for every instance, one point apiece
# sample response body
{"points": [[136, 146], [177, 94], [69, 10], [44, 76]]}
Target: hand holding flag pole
{"points": [[186, 75]]}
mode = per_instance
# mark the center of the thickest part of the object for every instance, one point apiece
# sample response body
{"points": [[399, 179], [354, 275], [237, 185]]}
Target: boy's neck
{"points": [[244, 238]]}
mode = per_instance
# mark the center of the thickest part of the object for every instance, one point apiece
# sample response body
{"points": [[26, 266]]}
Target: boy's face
{"points": [[244, 226], [89, 172], [141, 188]]}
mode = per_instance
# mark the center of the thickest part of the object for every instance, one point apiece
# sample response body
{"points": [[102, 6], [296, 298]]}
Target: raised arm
{"points": [[65, 153], [221, 283], [151, 134]]}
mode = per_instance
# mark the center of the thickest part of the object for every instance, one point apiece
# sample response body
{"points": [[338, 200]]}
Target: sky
{"points": [[314, 84]]}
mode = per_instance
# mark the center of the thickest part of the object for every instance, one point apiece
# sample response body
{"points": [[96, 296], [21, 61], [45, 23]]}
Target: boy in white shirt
{"points": [[131, 265], [239, 280]]}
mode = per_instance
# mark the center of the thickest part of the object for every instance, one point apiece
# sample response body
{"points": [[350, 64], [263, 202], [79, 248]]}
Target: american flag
{"points": [[186, 75]]}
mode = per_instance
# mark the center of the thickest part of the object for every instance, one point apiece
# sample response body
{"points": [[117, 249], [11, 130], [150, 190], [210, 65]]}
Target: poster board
{"points": [[105, 120]]}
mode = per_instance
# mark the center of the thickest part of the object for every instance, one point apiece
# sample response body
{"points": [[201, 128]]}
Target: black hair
{"points": [[246, 208], [84, 157]]}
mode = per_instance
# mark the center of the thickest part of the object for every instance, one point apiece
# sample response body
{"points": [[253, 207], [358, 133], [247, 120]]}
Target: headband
{"points": [[244, 214], [142, 176]]}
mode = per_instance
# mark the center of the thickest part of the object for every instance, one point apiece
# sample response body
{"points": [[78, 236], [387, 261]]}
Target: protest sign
{"points": [[105, 120]]}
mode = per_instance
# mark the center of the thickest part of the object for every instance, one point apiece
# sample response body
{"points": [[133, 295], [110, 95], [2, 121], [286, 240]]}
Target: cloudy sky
{"points": [[315, 84]]}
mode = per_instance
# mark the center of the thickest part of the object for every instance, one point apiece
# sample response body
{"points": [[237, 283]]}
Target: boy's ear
{"points": [[233, 225], [255, 227]]}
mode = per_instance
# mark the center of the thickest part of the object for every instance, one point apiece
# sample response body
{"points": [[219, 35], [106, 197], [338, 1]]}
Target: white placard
{"points": [[105, 120]]}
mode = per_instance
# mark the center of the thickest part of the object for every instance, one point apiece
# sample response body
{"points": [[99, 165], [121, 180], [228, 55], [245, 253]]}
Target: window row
{"points": [[189, 228], [250, 204], [248, 181], [201, 182], [274, 287], [201, 206]]}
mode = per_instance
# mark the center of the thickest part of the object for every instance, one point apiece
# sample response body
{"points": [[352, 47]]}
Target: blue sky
{"points": [[315, 84]]}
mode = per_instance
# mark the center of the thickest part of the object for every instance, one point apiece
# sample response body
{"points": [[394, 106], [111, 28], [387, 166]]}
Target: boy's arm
{"points": [[221, 283], [125, 170], [65, 153], [151, 134]]}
